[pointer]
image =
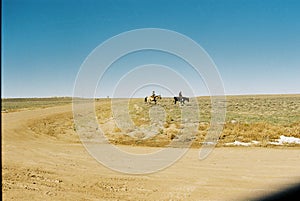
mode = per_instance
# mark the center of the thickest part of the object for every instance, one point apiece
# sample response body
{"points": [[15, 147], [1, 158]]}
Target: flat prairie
{"points": [[257, 152]]}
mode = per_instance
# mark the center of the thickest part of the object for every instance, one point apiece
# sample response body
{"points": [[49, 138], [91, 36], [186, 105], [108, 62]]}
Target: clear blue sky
{"points": [[254, 43]]}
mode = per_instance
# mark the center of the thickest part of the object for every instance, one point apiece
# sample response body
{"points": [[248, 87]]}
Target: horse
{"points": [[181, 99], [149, 99]]}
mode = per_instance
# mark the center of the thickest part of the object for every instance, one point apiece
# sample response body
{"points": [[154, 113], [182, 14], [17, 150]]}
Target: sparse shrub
{"points": [[117, 129]]}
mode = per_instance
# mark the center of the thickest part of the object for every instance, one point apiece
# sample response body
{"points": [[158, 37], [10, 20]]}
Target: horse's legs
{"points": [[182, 101]]}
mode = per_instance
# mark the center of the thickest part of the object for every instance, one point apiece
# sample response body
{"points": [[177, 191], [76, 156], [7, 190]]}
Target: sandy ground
{"points": [[56, 166]]}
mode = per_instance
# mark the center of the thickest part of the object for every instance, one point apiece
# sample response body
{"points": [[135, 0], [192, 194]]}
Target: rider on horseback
{"points": [[180, 96], [153, 97], [153, 94]]}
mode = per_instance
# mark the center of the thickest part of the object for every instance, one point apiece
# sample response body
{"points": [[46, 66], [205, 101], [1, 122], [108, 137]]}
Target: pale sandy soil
{"points": [[42, 161]]}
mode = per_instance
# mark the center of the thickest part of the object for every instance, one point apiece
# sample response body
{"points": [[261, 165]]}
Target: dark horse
{"points": [[149, 99], [181, 99]]}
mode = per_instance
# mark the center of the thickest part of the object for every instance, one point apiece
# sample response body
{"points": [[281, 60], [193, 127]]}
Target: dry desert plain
{"points": [[44, 159]]}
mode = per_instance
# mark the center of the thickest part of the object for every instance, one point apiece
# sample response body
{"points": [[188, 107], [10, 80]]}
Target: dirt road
{"points": [[44, 160]]}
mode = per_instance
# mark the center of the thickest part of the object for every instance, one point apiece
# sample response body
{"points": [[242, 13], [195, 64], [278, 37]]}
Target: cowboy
{"points": [[153, 94], [180, 94]]}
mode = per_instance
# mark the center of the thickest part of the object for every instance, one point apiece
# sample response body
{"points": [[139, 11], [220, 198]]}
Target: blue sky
{"points": [[255, 44]]}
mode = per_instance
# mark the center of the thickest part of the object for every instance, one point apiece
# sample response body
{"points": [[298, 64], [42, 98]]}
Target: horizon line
{"points": [[108, 97]]}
